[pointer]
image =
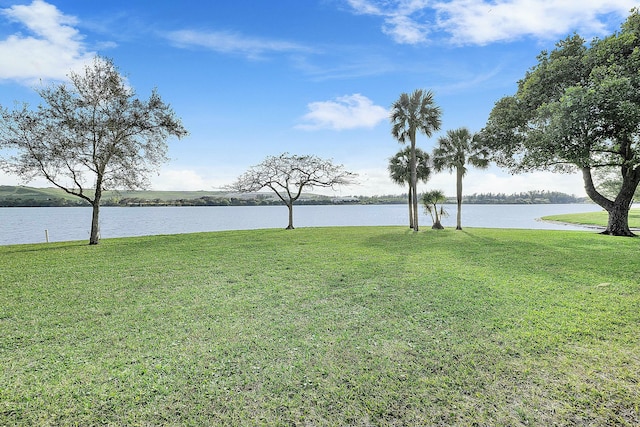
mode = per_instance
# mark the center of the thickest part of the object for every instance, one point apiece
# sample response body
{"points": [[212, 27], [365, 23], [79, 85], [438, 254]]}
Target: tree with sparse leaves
{"points": [[578, 109], [457, 149], [410, 114], [90, 135], [287, 175], [400, 172]]}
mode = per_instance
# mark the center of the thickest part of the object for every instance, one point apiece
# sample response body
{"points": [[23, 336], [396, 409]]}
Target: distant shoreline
{"points": [[3, 204], [21, 196]]}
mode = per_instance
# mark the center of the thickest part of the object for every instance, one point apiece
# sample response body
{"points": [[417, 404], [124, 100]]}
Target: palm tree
{"points": [[410, 114], [400, 172], [431, 199], [456, 150]]}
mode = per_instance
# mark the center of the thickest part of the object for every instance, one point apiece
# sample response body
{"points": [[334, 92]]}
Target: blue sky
{"points": [[253, 78]]}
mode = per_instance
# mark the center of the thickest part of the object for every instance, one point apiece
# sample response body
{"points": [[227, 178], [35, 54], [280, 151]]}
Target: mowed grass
{"points": [[323, 326], [599, 218]]}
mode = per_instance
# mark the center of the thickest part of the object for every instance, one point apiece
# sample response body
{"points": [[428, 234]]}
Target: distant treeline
{"points": [[55, 202], [259, 200], [528, 198], [531, 197]]}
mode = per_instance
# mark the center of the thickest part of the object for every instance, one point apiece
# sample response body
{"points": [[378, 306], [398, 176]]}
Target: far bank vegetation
{"points": [[21, 196]]}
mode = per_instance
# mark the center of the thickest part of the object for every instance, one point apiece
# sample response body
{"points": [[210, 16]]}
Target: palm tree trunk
{"points": [[459, 198], [414, 179], [410, 207]]}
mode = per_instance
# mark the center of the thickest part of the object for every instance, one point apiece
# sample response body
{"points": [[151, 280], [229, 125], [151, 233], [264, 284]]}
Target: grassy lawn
{"points": [[323, 326], [599, 218]]}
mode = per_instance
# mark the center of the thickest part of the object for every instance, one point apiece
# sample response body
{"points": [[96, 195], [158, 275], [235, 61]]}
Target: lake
{"points": [[28, 225]]}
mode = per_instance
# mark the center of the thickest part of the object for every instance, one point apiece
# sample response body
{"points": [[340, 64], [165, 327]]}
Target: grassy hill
{"points": [[9, 191], [323, 326], [47, 193]]}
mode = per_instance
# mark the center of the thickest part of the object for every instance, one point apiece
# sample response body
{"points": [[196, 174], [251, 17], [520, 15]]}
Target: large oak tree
{"points": [[578, 109], [90, 134]]}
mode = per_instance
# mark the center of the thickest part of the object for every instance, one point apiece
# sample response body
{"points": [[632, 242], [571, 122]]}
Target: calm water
{"points": [[28, 225]]}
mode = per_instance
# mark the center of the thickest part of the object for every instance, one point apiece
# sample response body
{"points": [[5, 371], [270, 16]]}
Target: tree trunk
{"points": [[618, 209], [459, 198], [414, 179], [410, 207], [436, 223], [94, 237], [290, 207], [618, 224]]}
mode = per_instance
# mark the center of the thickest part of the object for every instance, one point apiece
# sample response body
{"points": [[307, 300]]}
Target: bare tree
{"points": [[91, 134], [287, 175]]}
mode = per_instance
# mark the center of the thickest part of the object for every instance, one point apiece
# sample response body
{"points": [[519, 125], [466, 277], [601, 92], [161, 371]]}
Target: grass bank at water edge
{"points": [[597, 219], [325, 326]]}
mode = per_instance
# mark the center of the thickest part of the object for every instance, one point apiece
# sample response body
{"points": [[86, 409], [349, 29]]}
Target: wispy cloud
{"points": [[482, 22], [232, 43], [345, 112], [471, 81], [402, 18], [52, 49]]}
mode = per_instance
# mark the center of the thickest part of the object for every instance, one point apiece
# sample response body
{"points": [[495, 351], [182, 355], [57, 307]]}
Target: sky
{"points": [[256, 78]]}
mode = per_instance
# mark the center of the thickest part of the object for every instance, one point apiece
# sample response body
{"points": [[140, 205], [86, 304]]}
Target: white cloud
{"points": [[53, 49], [181, 180], [405, 30], [228, 42], [473, 22], [399, 20], [345, 112], [483, 22], [8, 179]]}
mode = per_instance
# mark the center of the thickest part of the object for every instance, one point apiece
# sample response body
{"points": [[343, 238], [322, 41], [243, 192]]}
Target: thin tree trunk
{"points": [[290, 207], [459, 198], [415, 206], [94, 237], [436, 224], [414, 179], [410, 207]]}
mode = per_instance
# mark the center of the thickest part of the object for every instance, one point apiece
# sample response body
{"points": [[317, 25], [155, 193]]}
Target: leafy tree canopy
{"points": [[89, 135], [577, 109]]}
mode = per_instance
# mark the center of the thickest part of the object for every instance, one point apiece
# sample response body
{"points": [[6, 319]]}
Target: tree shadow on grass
{"points": [[41, 247]]}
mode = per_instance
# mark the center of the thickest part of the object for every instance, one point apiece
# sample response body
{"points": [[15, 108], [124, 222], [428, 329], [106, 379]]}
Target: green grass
{"points": [[599, 218], [323, 326]]}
